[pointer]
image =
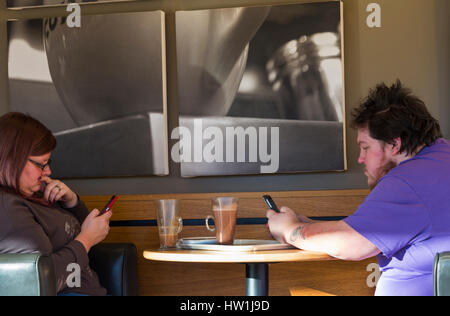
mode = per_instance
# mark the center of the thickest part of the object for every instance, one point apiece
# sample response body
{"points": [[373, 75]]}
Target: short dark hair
{"points": [[391, 112]]}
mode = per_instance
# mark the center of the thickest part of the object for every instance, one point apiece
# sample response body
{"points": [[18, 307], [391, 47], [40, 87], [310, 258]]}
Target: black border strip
{"points": [[201, 222]]}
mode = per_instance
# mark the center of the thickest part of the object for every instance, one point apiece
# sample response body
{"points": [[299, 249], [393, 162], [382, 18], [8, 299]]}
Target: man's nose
{"points": [[361, 158]]}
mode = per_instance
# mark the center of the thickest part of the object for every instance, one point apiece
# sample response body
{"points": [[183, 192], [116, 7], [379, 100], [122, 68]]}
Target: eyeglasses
{"points": [[39, 165]]}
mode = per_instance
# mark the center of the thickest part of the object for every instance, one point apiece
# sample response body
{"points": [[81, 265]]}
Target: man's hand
{"points": [[281, 223]]}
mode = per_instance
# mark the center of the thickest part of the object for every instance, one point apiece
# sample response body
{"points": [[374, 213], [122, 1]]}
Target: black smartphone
{"points": [[271, 203], [108, 205]]}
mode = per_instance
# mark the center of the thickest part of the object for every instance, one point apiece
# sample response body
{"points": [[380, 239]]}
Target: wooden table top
{"points": [[206, 256]]}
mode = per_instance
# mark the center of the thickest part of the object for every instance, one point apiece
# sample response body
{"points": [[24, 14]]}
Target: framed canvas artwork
{"points": [[100, 88], [260, 90]]}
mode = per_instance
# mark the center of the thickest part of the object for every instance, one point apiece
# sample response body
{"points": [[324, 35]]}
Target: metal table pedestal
{"points": [[257, 278]]}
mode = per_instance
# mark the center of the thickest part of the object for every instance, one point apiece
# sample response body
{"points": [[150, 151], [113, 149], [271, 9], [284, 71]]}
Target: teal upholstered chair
{"points": [[34, 274], [441, 274], [26, 275]]}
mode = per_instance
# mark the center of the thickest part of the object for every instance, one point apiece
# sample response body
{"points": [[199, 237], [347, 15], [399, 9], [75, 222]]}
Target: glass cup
{"points": [[225, 213], [170, 223]]}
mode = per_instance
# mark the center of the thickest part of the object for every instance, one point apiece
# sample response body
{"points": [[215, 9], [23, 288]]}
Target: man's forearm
{"points": [[297, 233], [337, 239], [317, 236]]}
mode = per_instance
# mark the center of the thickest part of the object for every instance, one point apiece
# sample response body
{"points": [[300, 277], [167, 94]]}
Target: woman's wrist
{"points": [[72, 203], [84, 241]]}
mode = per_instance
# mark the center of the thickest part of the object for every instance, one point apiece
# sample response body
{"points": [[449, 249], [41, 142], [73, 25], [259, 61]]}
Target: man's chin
{"points": [[372, 181], [372, 184]]}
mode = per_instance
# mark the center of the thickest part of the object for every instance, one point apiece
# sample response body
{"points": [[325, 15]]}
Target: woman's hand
{"points": [[94, 229], [56, 190]]}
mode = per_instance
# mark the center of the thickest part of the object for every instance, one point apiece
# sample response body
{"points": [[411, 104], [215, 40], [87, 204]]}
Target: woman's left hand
{"points": [[58, 191]]}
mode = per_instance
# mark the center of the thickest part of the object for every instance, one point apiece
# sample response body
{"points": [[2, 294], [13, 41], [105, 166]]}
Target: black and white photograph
{"points": [[269, 77], [100, 88]]}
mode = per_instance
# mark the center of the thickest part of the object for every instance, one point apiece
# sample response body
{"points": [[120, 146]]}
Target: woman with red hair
{"points": [[41, 214]]}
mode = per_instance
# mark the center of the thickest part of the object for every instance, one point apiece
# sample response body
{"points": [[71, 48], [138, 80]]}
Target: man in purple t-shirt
{"points": [[405, 220]]}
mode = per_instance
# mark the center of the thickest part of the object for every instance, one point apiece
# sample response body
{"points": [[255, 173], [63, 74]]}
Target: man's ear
{"points": [[396, 146]]}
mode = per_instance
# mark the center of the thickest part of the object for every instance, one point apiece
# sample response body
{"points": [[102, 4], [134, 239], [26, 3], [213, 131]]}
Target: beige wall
{"points": [[412, 45]]}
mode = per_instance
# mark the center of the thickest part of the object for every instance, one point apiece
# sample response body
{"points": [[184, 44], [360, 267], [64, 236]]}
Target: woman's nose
{"points": [[47, 171]]}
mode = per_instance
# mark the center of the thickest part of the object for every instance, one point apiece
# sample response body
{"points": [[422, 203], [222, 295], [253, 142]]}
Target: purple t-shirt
{"points": [[407, 216]]}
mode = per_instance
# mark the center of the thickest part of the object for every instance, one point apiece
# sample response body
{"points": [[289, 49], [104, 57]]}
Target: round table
{"points": [[257, 262]]}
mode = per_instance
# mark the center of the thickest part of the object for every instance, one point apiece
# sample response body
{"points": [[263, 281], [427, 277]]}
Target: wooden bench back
{"points": [[134, 220]]}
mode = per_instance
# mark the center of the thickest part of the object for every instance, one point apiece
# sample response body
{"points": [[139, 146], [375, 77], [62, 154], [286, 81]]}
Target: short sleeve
{"points": [[391, 217]]}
